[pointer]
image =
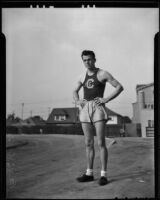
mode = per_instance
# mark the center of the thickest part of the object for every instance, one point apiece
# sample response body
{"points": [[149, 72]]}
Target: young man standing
{"points": [[93, 112]]}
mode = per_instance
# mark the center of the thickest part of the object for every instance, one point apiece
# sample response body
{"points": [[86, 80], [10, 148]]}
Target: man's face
{"points": [[88, 61]]}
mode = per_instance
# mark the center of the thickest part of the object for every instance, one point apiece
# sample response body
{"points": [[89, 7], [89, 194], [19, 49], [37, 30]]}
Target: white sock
{"points": [[89, 172], [103, 173]]}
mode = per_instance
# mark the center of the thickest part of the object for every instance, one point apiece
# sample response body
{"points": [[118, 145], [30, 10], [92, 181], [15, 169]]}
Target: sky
{"points": [[43, 54]]}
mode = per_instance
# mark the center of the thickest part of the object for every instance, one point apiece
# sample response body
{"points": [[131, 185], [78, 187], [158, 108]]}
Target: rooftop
{"points": [[143, 86]]}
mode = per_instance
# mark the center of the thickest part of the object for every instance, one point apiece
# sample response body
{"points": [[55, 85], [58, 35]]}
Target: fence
{"points": [[74, 129], [47, 129], [131, 130]]}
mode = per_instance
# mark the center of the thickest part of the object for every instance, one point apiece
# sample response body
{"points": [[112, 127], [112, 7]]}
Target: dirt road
{"points": [[46, 167]]}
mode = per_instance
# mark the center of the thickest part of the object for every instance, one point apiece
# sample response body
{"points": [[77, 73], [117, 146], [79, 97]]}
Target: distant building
{"points": [[35, 121], [71, 116], [63, 116], [143, 109], [115, 118]]}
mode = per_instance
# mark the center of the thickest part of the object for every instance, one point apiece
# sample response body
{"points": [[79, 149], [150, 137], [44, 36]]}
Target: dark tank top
{"points": [[92, 87]]}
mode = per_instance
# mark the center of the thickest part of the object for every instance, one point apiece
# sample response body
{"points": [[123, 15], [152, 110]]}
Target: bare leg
{"points": [[100, 131], [89, 143]]}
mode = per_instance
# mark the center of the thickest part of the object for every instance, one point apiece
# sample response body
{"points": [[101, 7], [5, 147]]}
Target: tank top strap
{"points": [[95, 73]]}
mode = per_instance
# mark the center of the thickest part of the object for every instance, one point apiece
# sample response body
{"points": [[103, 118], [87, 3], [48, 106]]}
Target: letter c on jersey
{"points": [[90, 83]]}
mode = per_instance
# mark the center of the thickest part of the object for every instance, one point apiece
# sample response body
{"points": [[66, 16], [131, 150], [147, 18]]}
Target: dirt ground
{"points": [[46, 167]]}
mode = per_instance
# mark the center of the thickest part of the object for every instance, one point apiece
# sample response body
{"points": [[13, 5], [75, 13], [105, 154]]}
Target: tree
{"points": [[11, 117]]}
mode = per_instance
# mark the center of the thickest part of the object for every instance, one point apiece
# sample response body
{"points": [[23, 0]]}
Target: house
{"points": [[143, 109], [63, 116], [34, 121], [115, 118], [71, 116]]}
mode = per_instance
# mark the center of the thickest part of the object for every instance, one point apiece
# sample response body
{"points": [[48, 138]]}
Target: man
{"points": [[122, 132], [93, 112]]}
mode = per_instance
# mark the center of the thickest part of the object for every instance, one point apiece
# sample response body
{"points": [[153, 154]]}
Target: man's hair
{"points": [[88, 52]]}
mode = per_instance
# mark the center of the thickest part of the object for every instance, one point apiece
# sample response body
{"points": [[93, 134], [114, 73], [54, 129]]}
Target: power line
{"points": [[22, 109], [38, 102]]}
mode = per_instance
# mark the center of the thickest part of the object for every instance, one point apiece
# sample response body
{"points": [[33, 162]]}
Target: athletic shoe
{"points": [[85, 178], [103, 180]]}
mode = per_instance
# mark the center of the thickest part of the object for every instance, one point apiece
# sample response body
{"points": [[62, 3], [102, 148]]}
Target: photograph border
{"points": [[78, 4]]}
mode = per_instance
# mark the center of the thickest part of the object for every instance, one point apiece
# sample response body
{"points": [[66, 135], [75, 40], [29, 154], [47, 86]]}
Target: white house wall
{"points": [[143, 109], [113, 120], [136, 113], [145, 116]]}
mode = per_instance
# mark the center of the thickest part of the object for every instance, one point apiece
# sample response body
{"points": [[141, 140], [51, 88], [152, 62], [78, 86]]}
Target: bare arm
{"points": [[80, 102], [118, 87], [107, 77], [76, 91]]}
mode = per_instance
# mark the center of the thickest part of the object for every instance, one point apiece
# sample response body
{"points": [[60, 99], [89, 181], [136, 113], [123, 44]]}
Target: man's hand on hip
{"points": [[81, 102], [100, 101]]}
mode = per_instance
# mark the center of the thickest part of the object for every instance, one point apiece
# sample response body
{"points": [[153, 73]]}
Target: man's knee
{"points": [[101, 143], [89, 144]]}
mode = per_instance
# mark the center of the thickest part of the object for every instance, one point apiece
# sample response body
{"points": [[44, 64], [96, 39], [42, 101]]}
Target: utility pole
{"points": [[49, 110], [22, 110], [31, 113]]}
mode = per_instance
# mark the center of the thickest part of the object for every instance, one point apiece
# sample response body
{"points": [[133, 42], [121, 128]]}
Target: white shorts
{"points": [[92, 113]]}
